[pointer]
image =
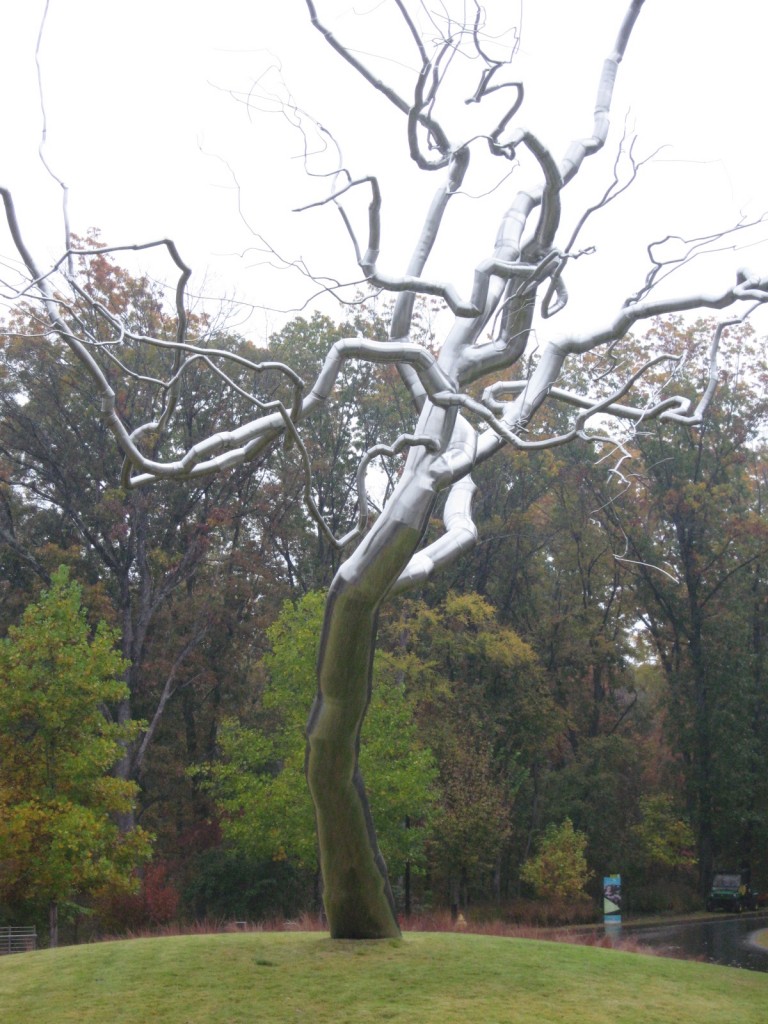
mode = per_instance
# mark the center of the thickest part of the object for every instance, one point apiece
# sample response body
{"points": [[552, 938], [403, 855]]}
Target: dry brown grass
{"points": [[439, 921]]}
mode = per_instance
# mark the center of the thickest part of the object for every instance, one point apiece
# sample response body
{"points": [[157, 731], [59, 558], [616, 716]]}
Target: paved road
{"points": [[719, 940]]}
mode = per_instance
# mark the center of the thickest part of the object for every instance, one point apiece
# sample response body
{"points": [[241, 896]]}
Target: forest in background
{"points": [[598, 659]]}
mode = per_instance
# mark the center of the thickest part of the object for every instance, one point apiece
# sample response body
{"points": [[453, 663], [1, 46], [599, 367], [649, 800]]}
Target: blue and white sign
{"points": [[612, 899]]}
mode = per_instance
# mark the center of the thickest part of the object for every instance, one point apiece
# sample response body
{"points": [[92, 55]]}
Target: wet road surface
{"points": [[719, 940]]}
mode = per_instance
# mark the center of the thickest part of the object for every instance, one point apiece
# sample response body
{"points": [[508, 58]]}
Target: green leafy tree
{"points": [[547, 567], [664, 839], [469, 398], [599, 789], [473, 822], [692, 529], [559, 869], [367, 404], [259, 785], [58, 838], [484, 708]]}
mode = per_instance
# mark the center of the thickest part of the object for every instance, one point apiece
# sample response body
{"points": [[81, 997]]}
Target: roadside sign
{"points": [[612, 899]]}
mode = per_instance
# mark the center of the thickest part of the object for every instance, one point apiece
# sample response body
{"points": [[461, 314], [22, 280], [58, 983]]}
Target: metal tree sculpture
{"points": [[491, 332]]}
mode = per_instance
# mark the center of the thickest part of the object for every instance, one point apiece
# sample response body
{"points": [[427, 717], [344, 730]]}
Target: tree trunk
{"points": [[407, 880], [356, 891], [53, 924]]}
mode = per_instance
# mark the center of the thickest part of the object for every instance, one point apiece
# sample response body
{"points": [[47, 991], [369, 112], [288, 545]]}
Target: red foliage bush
{"points": [[154, 905]]}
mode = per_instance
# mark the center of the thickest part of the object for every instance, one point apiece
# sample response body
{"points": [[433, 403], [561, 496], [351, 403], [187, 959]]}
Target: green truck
{"points": [[730, 891]]}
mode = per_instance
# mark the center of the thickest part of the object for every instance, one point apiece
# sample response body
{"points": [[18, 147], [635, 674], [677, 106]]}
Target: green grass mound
{"points": [[426, 978]]}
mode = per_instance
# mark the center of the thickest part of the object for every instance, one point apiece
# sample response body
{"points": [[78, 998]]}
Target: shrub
{"points": [[559, 870]]}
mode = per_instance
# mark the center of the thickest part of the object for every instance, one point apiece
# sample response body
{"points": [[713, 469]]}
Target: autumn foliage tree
{"points": [[179, 574], [689, 526], [60, 687], [491, 383], [559, 868], [484, 708]]}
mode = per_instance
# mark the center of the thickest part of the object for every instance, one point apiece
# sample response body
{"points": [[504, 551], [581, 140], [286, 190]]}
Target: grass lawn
{"points": [[444, 978]]}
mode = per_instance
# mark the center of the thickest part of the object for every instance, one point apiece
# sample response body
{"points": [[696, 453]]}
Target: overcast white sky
{"points": [[144, 129]]}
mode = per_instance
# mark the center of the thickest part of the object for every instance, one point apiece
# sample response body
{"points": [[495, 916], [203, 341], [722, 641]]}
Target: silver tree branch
{"points": [[455, 431]]}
